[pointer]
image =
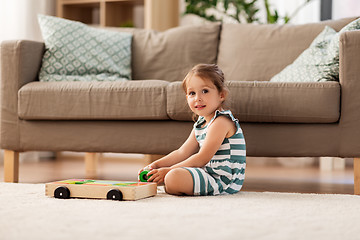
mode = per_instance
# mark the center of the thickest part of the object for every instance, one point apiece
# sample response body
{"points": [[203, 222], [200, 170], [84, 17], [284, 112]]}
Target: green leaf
{"points": [[226, 5], [247, 9]]}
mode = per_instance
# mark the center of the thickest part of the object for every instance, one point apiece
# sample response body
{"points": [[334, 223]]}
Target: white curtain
{"points": [[18, 18]]}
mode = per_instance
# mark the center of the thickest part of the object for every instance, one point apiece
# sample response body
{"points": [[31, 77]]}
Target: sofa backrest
{"points": [[170, 55], [249, 52]]}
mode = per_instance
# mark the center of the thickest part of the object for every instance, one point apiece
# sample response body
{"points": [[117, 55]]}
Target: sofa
{"points": [[149, 114]]}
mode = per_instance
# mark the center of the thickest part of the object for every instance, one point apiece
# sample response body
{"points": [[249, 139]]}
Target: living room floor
{"points": [[272, 178]]}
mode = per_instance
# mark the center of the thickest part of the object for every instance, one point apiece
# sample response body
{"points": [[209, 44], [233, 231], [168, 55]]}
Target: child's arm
{"points": [[189, 147], [220, 128]]}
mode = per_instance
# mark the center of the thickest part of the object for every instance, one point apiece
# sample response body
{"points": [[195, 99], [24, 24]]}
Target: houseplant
{"points": [[238, 10]]}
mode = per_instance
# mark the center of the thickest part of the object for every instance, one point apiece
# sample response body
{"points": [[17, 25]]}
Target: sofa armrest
{"points": [[349, 76], [20, 62]]}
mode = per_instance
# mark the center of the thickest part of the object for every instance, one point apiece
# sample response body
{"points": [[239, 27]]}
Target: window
{"points": [[345, 8]]}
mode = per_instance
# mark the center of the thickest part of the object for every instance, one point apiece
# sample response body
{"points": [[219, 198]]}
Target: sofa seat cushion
{"points": [[129, 100], [301, 102]]}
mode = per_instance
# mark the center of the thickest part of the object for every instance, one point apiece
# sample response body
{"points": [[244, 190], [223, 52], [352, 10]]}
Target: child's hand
{"points": [[158, 175], [148, 167]]}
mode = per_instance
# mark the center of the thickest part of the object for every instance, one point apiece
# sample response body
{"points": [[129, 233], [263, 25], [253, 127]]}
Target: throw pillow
{"points": [[319, 62], [77, 52]]}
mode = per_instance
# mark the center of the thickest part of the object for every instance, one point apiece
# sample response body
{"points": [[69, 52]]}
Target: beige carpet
{"points": [[26, 213]]}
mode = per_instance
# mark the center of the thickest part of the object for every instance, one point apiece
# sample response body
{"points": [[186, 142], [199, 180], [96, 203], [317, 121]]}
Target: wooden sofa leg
{"points": [[11, 166], [91, 163], [357, 176]]}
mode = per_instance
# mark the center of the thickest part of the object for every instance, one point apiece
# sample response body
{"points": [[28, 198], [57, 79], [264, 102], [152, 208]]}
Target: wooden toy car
{"points": [[100, 189]]}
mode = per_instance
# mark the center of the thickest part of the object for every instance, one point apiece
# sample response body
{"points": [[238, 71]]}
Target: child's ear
{"points": [[223, 95]]}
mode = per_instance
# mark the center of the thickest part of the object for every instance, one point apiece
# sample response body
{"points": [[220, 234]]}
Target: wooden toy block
{"points": [[143, 176], [100, 189]]}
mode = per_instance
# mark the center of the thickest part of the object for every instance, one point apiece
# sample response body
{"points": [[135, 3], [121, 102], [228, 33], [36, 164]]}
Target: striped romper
{"points": [[225, 172]]}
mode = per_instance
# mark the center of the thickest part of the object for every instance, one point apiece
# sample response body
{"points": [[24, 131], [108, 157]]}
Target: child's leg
{"points": [[179, 182]]}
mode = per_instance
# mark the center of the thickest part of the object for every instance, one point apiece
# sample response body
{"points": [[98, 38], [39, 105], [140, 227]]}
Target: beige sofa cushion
{"points": [[250, 52], [270, 102], [130, 100], [171, 54]]}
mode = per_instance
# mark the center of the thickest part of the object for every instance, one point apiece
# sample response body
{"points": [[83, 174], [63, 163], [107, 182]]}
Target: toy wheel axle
{"points": [[114, 194], [62, 192]]}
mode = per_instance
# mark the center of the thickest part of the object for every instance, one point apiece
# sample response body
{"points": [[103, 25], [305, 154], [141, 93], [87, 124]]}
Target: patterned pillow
{"points": [[319, 62], [76, 52]]}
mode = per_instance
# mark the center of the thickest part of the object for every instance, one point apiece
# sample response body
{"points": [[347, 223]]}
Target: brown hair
{"points": [[209, 72]]}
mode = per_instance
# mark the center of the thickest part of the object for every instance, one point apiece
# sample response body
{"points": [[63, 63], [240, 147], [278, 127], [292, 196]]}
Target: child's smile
{"points": [[199, 107]]}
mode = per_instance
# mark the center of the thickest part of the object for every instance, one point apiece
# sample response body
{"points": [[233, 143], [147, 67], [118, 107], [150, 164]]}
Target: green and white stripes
{"points": [[225, 173]]}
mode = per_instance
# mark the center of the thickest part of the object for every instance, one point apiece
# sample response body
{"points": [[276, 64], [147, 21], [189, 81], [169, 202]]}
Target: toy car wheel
{"points": [[114, 194], [62, 192]]}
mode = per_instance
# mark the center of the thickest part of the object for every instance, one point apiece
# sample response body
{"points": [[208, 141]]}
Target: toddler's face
{"points": [[203, 97]]}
